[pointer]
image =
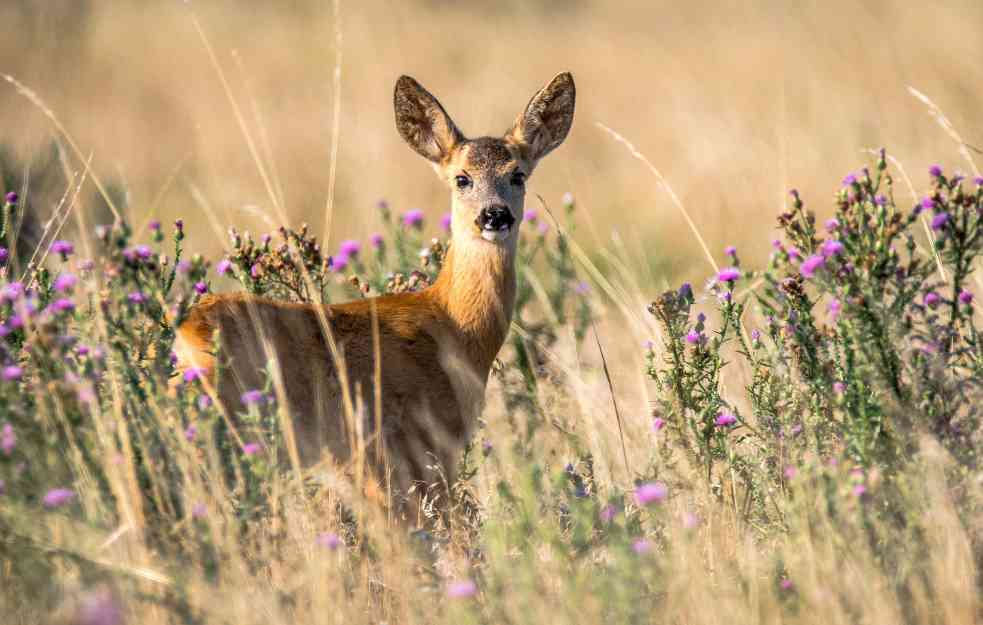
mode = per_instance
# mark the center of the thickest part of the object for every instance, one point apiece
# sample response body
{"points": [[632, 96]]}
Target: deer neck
{"points": [[476, 288]]}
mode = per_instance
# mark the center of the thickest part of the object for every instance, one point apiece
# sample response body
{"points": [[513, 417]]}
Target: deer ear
{"points": [[422, 121], [547, 119]]}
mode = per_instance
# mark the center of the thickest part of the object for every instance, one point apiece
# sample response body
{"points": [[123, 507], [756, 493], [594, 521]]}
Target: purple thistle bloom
{"points": [[12, 291], [62, 248], [63, 305], [725, 419], [143, 252], [328, 540], [223, 266], [790, 472], [4, 255], [154, 225], [462, 589], [11, 197], [931, 299], [978, 181], [12, 373], [755, 335], [445, 222], [641, 546], [608, 513], [859, 490], [691, 521], [190, 432], [413, 218], [849, 180], [651, 492], [199, 510], [251, 449], [201, 288], [658, 424], [531, 216], [582, 288], [832, 224], [349, 248], [927, 203], [195, 373], [729, 274], [204, 402], [376, 240], [8, 439], [730, 250], [339, 262], [793, 253], [183, 266], [834, 307], [542, 228], [136, 297], [966, 297], [179, 225], [252, 397], [939, 221], [786, 584], [839, 387], [65, 282], [810, 265], [255, 271], [880, 200], [58, 497], [832, 247], [694, 338], [99, 608], [567, 200], [935, 171]]}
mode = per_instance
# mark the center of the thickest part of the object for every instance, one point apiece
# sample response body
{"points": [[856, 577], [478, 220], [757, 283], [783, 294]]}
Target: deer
{"points": [[425, 356]]}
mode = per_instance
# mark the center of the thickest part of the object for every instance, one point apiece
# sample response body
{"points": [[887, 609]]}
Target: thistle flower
{"points": [[252, 397], [62, 248], [695, 338], [194, 373], [859, 490], [927, 203], [839, 387], [136, 297], [641, 546], [154, 225], [462, 589], [4, 256], [608, 513], [11, 197], [729, 274], [966, 297], [810, 265], [349, 248], [833, 308], [725, 419], [57, 497], [199, 510], [63, 305], [338, 262], [880, 200], [850, 179], [65, 282], [832, 224], [543, 228], [99, 608], [190, 432], [582, 288], [530, 215], [567, 200], [658, 424], [204, 402], [328, 540], [201, 288], [978, 181], [691, 521], [8, 439], [223, 266], [730, 250], [939, 221], [832, 247], [935, 171], [251, 449], [12, 291], [413, 218], [790, 472], [786, 584], [377, 240], [651, 492], [445, 222], [931, 299]]}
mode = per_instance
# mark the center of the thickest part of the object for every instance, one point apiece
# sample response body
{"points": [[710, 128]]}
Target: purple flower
{"points": [[927, 203], [99, 608], [542, 228], [339, 262], [255, 271], [859, 490], [832, 224], [199, 510], [658, 424], [931, 299], [204, 402], [136, 297], [12, 291], [832, 247], [223, 266], [790, 472], [57, 497], [935, 171], [834, 307], [810, 265], [978, 180], [730, 250], [786, 584], [154, 225], [582, 288], [966, 297], [608, 513], [190, 432], [251, 449], [755, 335], [880, 200], [143, 252], [65, 282], [651, 492], [12, 373], [349, 248], [63, 305], [725, 419], [641, 546], [11, 197], [839, 387], [462, 589], [939, 221], [195, 373], [62, 248], [328, 540], [413, 218], [530, 215], [445, 222], [201, 288], [8, 439], [376, 240], [4, 255], [694, 338], [252, 397], [691, 521], [183, 266], [729, 274], [179, 225], [849, 180]]}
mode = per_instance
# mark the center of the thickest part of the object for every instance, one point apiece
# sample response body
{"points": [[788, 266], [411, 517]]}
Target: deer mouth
{"points": [[495, 223]]}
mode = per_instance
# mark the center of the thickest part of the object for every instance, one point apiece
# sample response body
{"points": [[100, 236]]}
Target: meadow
{"points": [[744, 374]]}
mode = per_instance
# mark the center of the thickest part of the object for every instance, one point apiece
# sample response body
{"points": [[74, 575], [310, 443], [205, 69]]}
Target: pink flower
{"points": [[834, 307], [530, 215], [58, 497], [99, 608], [8, 439], [376, 240], [201, 288], [194, 373], [190, 432], [729, 274], [641, 546], [931, 299], [12, 373], [199, 510], [651, 492], [832, 247], [349, 248], [790, 472], [445, 222], [859, 490], [65, 282], [786, 584], [725, 419], [413, 218], [251, 449], [252, 397], [608, 513], [223, 266], [810, 265], [966, 297], [658, 424], [462, 589], [329, 540]]}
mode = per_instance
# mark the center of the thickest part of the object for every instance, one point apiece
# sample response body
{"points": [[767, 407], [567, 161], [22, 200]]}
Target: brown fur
{"points": [[437, 346]]}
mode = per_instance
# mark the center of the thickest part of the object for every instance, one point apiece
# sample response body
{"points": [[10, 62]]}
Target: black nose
{"points": [[497, 217]]}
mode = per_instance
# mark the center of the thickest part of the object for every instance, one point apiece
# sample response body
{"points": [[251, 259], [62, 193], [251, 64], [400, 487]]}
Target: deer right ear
{"points": [[422, 121]]}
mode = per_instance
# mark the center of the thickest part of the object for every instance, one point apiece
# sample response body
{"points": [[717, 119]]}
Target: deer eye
{"points": [[518, 179], [462, 181]]}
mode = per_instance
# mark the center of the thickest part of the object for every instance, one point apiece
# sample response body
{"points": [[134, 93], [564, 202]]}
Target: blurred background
{"points": [[734, 102]]}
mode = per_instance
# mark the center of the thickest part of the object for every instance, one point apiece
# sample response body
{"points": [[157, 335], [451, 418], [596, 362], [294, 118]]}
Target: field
{"points": [[721, 400]]}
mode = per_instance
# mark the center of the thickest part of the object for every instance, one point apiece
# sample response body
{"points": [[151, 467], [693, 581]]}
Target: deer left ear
{"points": [[547, 119]]}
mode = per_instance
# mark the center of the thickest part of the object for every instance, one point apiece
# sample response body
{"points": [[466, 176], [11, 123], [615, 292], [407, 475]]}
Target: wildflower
{"points": [[413, 218], [641, 546], [567, 200], [4, 255], [99, 608], [57, 497], [729, 274], [154, 225], [8, 439], [859, 490], [880, 200], [834, 307], [839, 387], [755, 335], [978, 181], [204, 402], [255, 271], [650, 492], [179, 225], [935, 171], [966, 297], [790, 472], [832, 247], [201, 288], [694, 338], [608, 513], [445, 222], [143, 252], [582, 288], [251, 449], [338, 263], [376, 240], [927, 203], [63, 248], [12, 373], [194, 373], [810, 265], [658, 424], [786, 584], [794, 254], [65, 282], [223, 266], [543, 228], [252, 397], [350, 248], [462, 589], [531, 216], [850, 179], [690, 521], [730, 250], [63, 305], [486, 447], [832, 224], [11, 197], [648, 344], [190, 432], [329, 540], [725, 419], [939, 221], [198, 511], [931, 299], [136, 297]]}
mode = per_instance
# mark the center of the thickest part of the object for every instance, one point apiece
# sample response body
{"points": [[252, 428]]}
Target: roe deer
{"points": [[437, 345]]}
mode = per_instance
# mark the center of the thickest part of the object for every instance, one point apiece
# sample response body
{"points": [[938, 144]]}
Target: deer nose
{"points": [[495, 217]]}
